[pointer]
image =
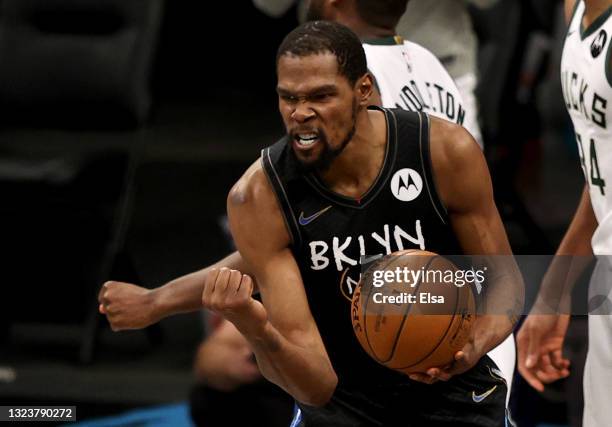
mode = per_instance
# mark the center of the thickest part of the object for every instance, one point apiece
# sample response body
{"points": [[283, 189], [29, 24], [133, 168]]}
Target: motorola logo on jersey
{"points": [[406, 184], [598, 43]]}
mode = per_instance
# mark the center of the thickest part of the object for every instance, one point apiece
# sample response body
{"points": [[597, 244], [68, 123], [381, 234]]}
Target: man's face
{"points": [[318, 106]]}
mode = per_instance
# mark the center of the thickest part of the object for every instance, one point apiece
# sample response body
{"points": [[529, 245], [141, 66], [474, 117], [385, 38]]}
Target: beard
{"points": [[328, 154]]}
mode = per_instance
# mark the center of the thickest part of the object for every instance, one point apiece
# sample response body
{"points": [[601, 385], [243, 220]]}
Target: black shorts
{"points": [[476, 398]]}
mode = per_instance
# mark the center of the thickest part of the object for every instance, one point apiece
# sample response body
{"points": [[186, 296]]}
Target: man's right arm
{"points": [[282, 331]]}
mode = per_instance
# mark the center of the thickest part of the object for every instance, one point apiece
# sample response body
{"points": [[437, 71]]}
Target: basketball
{"points": [[409, 313]]}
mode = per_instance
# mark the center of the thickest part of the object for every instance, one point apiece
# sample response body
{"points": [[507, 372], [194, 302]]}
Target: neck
{"points": [[594, 8], [363, 30], [353, 172]]}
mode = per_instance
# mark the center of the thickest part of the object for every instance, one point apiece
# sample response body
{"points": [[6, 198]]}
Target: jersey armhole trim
{"points": [[426, 164], [573, 15], [608, 66], [281, 197], [595, 25]]}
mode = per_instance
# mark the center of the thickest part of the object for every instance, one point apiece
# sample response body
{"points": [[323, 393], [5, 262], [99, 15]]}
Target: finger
{"points": [[533, 348], [222, 281], [422, 378], [235, 278], [521, 347], [459, 366], [209, 286], [546, 377], [440, 374], [546, 363], [103, 291], [558, 360], [246, 286], [460, 356], [532, 379]]}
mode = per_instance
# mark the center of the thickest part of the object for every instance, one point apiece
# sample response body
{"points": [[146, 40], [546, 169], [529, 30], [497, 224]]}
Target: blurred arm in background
{"points": [[224, 361], [274, 8]]}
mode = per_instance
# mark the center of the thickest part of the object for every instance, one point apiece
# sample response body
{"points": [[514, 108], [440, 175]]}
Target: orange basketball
{"points": [[412, 333]]}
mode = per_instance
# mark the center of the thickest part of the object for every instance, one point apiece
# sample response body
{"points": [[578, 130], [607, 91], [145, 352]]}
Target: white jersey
{"points": [[586, 78], [410, 77]]}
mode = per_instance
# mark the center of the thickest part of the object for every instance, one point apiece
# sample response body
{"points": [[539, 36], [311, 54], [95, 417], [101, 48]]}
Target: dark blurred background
{"points": [[123, 125]]}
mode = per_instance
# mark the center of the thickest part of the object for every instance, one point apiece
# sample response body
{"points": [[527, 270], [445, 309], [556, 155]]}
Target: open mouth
{"points": [[305, 140]]}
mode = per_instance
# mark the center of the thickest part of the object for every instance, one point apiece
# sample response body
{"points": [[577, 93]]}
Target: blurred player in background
{"points": [[586, 75]]}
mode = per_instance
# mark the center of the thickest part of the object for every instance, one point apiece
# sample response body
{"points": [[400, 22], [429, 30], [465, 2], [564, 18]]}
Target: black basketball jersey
{"points": [[332, 234]]}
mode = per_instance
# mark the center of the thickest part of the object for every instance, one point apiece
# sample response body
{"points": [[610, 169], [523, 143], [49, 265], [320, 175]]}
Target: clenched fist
{"points": [[127, 306], [229, 293]]}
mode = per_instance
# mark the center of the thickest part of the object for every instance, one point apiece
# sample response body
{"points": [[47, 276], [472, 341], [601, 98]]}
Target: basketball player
{"points": [[408, 76], [586, 75], [323, 196]]}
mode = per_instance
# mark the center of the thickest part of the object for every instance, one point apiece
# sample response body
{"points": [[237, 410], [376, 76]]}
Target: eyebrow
{"points": [[321, 89]]}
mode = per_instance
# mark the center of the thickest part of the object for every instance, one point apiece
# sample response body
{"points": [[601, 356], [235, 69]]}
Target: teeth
{"points": [[306, 139]]}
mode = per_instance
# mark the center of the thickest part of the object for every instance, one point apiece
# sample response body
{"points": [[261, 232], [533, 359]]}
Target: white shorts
{"points": [[504, 356]]}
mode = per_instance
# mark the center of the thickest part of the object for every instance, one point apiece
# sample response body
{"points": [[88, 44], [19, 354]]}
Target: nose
{"points": [[302, 112]]}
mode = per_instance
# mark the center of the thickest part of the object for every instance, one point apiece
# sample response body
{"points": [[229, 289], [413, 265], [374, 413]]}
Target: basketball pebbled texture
{"points": [[412, 337]]}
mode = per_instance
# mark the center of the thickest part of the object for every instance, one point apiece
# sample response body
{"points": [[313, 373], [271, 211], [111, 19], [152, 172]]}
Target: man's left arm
{"points": [[464, 187]]}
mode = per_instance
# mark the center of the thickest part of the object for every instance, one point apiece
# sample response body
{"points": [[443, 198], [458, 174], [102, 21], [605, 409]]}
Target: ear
{"points": [[364, 88]]}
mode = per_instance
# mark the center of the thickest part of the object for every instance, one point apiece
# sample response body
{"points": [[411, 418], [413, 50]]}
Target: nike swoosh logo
{"points": [[570, 33], [307, 220], [480, 397]]}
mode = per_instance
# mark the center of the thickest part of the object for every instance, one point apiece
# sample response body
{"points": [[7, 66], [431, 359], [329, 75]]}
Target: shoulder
{"points": [[451, 144], [457, 161], [253, 210], [252, 190]]}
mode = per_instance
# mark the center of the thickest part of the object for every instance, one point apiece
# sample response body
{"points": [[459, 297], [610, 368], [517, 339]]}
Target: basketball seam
{"points": [[365, 310], [407, 312], [441, 339]]}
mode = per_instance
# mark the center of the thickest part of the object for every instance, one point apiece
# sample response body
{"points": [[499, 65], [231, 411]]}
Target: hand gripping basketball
{"points": [[229, 293], [427, 341]]}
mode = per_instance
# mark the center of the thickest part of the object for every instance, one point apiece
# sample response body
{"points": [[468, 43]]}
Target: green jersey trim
{"points": [[385, 41], [595, 25], [608, 66], [573, 14]]}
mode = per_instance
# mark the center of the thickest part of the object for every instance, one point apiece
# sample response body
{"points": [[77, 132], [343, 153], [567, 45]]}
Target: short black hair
{"points": [[319, 37], [381, 13]]}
